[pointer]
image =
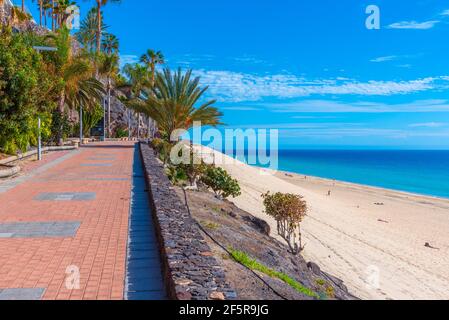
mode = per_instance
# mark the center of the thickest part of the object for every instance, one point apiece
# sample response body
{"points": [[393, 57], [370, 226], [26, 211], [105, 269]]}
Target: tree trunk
{"points": [[109, 108], [23, 5], [153, 124], [40, 13], [61, 105], [99, 26], [52, 15]]}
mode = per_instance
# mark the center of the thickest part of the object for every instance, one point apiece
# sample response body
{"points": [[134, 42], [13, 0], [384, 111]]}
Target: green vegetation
{"points": [[326, 288], [253, 264], [52, 85], [121, 133], [220, 182], [171, 103], [26, 91], [90, 119], [288, 210], [210, 225]]}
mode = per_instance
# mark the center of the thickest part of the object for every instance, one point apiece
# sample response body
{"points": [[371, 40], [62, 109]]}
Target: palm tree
{"points": [[110, 44], [47, 6], [87, 35], [109, 67], [60, 11], [41, 10], [172, 103], [78, 87], [151, 59], [137, 85], [100, 4]]}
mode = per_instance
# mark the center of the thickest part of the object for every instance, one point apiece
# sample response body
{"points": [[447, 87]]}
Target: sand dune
{"points": [[374, 239]]}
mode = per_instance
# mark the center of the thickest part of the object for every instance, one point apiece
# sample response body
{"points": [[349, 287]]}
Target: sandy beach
{"points": [[374, 239]]}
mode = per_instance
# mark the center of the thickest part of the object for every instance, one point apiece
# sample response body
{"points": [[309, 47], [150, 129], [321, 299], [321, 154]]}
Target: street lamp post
{"points": [[104, 119], [39, 138], [129, 124], [81, 125]]}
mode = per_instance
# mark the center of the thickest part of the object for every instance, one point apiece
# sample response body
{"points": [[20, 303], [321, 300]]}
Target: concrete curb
{"points": [[9, 171]]}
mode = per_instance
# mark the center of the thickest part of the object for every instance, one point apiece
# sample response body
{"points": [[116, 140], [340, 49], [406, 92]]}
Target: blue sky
{"points": [[308, 68]]}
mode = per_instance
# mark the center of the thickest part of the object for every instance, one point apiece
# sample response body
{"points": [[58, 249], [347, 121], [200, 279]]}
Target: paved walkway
{"points": [[64, 229]]}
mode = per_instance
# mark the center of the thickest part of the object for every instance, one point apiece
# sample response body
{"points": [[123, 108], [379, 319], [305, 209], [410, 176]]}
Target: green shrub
{"points": [[220, 182], [26, 91], [90, 119], [162, 148], [121, 133], [61, 123], [288, 210], [176, 175]]}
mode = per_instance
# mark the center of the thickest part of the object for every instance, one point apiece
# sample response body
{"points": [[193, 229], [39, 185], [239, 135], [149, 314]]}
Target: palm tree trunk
{"points": [[40, 13], [109, 108], [153, 124], [52, 15], [61, 105], [23, 5], [99, 26]]}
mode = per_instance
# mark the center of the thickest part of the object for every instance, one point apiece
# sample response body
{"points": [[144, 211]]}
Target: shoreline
{"points": [[358, 185], [361, 232]]}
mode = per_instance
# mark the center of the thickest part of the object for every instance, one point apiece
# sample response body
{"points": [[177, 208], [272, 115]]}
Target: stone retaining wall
{"points": [[190, 270]]}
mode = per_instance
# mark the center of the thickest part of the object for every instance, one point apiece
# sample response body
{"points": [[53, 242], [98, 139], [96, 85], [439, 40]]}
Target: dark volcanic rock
{"points": [[190, 273], [248, 234]]}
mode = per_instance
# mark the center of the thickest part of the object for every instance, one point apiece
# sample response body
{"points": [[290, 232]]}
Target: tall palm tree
{"points": [[60, 11], [109, 67], [151, 59], [173, 101], [47, 6], [78, 86], [138, 85], [110, 44], [40, 5], [100, 4], [87, 34]]}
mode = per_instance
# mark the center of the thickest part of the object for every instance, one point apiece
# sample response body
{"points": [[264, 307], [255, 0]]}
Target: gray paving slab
{"points": [[39, 229], [65, 196], [22, 294], [96, 164]]}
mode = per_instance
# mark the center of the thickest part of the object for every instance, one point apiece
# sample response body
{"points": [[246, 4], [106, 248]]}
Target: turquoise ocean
{"points": [[421, 172]]}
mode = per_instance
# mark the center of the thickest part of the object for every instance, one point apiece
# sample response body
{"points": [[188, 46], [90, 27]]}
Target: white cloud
{"points": [[237, 87], [128, 58], [330, 106], [427, 125], [445, 13], [383, 59], [414, 25]]}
